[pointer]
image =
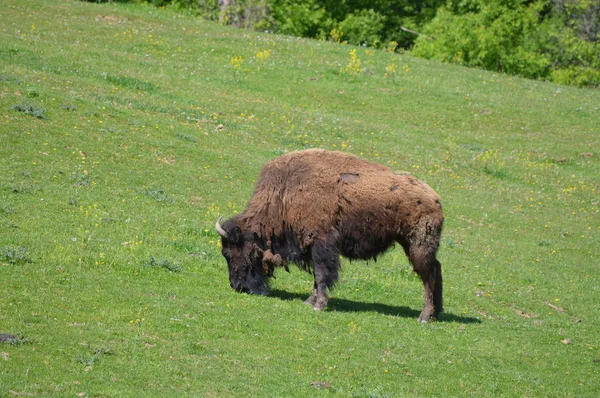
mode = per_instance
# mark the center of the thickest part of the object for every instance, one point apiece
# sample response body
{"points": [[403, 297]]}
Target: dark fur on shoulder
{"points": [[312, 206]]}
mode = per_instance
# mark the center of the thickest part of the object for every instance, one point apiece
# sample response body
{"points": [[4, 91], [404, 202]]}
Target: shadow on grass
{"points": [[343, 305]]}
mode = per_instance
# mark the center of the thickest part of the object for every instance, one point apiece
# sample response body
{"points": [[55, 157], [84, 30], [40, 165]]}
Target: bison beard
{"points": [[312, 206]]}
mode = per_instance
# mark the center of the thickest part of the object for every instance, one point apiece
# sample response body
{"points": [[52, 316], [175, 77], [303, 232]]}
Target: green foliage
{"points": [[387, 16], [576, 60], [363, 28], [249, 14], [581, 16], [171, 266], [363, 22], [13, 340], [301, 18], [581, 76], [497, 37], [160, 195], [14, 255], [32, 110], [515, 37]]}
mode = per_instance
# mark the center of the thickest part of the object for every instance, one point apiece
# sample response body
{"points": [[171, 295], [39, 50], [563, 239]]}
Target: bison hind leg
{"points": [[424, 262]]}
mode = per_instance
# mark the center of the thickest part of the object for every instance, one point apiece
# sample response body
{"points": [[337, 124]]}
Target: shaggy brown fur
{"points": [[311, 206]]}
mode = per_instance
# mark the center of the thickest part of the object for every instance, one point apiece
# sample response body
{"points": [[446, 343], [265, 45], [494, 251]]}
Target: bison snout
{"points": [[238, 287], [244, 289]]}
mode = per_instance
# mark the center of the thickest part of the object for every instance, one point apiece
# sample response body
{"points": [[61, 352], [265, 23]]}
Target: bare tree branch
{"points": [[415, 33]]}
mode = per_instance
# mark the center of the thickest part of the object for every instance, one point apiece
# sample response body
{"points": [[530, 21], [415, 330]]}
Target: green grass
{"points": [[110, 273]]}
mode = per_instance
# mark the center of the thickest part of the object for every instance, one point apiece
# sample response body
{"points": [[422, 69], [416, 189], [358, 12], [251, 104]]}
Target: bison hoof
{"points": [[426, 318], [320, 305], [312, 300]]}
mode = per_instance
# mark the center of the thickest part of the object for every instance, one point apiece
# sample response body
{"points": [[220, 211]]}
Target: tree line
{"points": [[556, 40]]}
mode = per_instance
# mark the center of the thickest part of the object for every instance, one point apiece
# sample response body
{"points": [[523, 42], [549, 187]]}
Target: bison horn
{"points": [[220, 230]]}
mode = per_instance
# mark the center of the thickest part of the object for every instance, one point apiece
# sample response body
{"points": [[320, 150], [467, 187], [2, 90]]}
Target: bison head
{"points": [[244, 258]]}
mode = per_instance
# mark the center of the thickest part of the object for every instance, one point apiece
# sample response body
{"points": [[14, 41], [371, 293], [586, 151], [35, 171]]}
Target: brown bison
{"points": [[310, 207]]}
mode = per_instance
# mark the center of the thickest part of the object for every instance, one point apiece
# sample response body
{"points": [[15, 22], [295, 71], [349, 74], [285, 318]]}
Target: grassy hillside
{"points": [[126, 131]]}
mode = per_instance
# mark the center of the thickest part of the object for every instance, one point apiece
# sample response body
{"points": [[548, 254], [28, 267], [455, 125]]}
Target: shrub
{"points": [[363, 28], [158, 194], [171, 266], [14, 255], [13, 340], [575, 61], [305, 19], [517, 37], [31, 110], [497, 38], [580, 76]]}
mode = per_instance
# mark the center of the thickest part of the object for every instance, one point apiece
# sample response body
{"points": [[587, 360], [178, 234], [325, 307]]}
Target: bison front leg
{"points": [[319, 295], [312, 300], [326, 264]]}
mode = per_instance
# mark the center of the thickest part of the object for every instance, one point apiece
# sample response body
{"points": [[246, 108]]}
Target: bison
{"points": [[309, 207]]}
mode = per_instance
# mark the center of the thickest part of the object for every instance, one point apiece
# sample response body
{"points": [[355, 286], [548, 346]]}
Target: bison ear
{"points": [[230, 231], [235, 235]]}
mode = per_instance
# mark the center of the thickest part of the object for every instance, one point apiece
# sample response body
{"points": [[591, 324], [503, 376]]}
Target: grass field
{"points": [[125, 131]]}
